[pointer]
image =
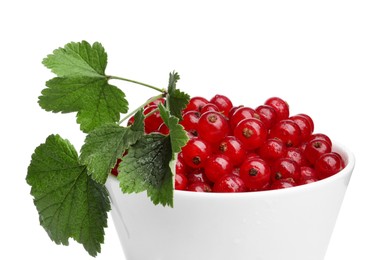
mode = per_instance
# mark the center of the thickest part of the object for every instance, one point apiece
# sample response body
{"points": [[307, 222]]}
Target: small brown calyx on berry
{"points": [[223, 147], [246, 132], [317, 144], [253, 172], [196, 160], [278, 175], [212, 118]]}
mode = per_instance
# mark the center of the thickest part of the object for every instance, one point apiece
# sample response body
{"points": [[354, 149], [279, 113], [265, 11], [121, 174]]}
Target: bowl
{"points": [[288, 224]]}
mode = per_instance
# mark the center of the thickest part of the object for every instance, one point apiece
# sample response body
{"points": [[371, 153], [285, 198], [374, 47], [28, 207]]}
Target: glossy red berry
{"points": [[304, 125], [197, 175], [320, 136], [309, 120], [153, 121], [163, 129], [209, 107], [296, 154], [315, 148], [223, 103], [251, 132], [180, 167], [190, 121], [199, 187], [240, 114], [328, 164], [286, 168], [308, 175], [229, 183], [216, 166], [287, 131], [281, 107], [196, 152], [180, 181], [213, 127], [267, 115], [272, 149], [282, 184], [256, 174], [232, 148], [196, 103], [155, 102]]}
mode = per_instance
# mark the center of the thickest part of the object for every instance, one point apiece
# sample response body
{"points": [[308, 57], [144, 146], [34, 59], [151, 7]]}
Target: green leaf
{"points": [[176, 99], [95, 101], [146, 167], [78, 59], [82, 87], [177, 134], [104, 145], [70, 204]]}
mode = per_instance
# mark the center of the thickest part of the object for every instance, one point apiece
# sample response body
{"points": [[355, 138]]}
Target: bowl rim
{"points": [[347, 155]]}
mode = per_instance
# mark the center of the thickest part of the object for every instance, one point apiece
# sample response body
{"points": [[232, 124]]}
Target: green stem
{"points": [[137, 82], [141, 106]]}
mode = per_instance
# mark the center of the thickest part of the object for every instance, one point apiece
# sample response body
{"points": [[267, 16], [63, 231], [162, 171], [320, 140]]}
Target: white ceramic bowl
{"points": [[290, 224]]}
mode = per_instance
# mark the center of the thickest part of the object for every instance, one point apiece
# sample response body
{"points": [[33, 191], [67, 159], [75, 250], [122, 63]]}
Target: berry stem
{"points": [[141, 106], [137, 82]]}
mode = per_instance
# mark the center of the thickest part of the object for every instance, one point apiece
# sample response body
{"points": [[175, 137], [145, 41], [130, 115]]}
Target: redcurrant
{"points": [[196, 152], [229, 183], [251, 132], [213, 127], [256, 174]]}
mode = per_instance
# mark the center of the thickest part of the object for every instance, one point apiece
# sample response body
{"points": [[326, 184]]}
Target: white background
{"points": [[329, 59]]}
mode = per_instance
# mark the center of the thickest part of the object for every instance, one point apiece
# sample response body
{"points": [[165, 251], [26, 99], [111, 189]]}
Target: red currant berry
{"points": [[286, 168], [223, 103], [281, 107], [209, 107], [213, 127], [315, 148], [233, 110], [130, 121], [319, 136], [232, 148], [304, 126], [196, 103], [328, 164], [155, 102], [282, 184], [153, 121], [199, 187], [180, 182], [196, 152], [229, 183], [296, 154], [287, 131], [267, 115], [272, 149], [163, 129], [256, 174], [307, 181], [251, 132], [197, 175], [190, 121], [180, 167], [307, 173], [240, 114], [309, 120], [216, 166]]}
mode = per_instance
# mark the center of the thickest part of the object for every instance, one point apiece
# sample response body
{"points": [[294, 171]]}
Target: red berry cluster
{"points": [[240, 149]]}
